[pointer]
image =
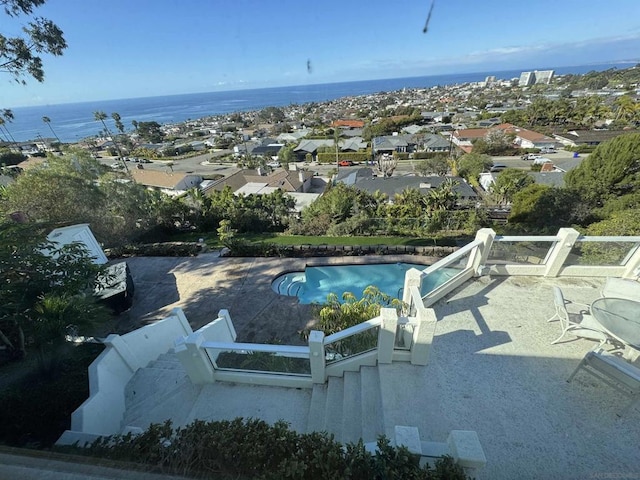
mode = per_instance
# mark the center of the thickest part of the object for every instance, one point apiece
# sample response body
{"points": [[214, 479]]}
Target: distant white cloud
{"points": [[594, 50]]}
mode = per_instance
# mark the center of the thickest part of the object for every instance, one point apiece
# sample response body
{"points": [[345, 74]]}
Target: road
{"points": [[206, 165]]}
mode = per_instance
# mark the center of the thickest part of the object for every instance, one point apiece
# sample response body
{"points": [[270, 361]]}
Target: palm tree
{"points": [[100, 116], [7, 117], [47, 120]]}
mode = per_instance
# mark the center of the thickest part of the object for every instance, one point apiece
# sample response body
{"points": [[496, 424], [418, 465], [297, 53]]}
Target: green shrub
{"points": [[580, 148], [168, 249], [330, 157], [254, 449], [37, 410]]}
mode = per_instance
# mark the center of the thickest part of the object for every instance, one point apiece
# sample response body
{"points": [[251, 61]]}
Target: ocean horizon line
{"points": [[309, 85], [73, 122]]}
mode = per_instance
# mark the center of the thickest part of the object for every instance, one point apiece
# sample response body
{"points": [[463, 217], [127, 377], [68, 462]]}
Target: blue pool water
{"points": [[315, 283]]}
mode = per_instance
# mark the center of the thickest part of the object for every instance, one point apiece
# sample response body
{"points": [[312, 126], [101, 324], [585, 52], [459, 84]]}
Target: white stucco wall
{"points": [[79, 233]]}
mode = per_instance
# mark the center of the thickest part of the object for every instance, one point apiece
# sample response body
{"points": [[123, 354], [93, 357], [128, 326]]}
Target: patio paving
{"points": [[492, 367]]}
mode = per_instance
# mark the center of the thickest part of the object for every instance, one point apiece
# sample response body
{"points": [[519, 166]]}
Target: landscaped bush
{"points": [[330, 157], [580, 148], [254, 449], [169, 249], [36, 411]]}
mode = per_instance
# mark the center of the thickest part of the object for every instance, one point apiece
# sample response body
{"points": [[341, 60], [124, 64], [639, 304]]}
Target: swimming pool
{"points": [[315, 283]]}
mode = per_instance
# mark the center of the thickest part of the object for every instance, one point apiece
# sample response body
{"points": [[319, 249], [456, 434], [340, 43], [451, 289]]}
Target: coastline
{"points": [[74, 121]]}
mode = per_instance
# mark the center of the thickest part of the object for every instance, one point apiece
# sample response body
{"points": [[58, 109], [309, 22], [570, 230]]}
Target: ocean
{"points": [[74, 121]]}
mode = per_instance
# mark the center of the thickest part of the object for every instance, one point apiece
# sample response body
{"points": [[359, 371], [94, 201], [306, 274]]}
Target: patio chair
{"points": [[580, 325], [621, 288], [615, 372]]}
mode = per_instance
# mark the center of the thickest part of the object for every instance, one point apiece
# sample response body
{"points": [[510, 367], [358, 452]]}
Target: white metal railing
{"points": [[354, 330]]}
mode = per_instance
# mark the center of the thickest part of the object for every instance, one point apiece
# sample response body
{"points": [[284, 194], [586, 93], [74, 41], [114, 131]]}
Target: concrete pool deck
{"points": [[205, 284], [492, 369]]}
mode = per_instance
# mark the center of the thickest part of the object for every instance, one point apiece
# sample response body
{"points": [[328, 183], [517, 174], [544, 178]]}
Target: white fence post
{"points": [[632, 267], [177, 312], [423, 336], [560, 251], [413, 278], [121, 348], [194, 359], [479, 257], [227, 318], [317, 356], [387, 334]]}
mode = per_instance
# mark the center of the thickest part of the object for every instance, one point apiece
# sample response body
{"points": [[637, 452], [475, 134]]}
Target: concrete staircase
{"points": [[348, 407], [159, 391]]}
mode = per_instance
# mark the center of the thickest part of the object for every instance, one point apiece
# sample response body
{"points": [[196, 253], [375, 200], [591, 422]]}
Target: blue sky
{"points": [[134, 48]]}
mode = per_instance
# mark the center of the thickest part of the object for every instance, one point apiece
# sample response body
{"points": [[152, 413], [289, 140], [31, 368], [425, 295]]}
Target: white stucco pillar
{"points": [[194, 359], [479, 258], [413, 278], [566, 239], [317, 356], [387, 334], [227, 318], [122, 349]]}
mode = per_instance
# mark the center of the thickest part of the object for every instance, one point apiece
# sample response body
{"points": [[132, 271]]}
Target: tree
{"points": [[612, 170], [45, 287], [75, 188], [437, 165], [509, 182], [118, 121], [6, 116], [100, 116], [471, 165], [542, 209], [21, 55], [149, 131], [47, 120]]}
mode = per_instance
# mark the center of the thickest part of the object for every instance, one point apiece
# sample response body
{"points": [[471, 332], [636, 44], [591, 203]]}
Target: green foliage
{"points": [[20, 55], [36, 411], [580, 148], [542, 209], [330, 157], [471, 165], [437, 165], [271, 115], [509, 182], [335, 315], [44, 288], [386, 126], [150, 131], [612, 170], [7, 157], [622, 222], [253, 449]]}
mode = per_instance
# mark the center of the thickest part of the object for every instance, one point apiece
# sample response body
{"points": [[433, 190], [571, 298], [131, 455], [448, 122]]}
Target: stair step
{"points": [[315, 422], [152, 382], [351, 408], [333, 408], [166, 365], [175, 404], [371, 404]]}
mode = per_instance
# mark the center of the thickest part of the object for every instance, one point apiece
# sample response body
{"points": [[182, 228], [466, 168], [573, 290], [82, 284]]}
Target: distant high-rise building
{"points": [[544, 76], [490, 79], [537, 76], [527, 78]]}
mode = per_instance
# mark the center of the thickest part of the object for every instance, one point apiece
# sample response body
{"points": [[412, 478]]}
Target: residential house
{"points": [[311, 147], [171, 183], [529, 139], [394, 143], [576, 138], [285, 180], [364, 179]]}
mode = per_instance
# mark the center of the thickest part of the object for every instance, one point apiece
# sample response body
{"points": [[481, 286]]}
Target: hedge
{"points": [[328, 157], [243, 449]]}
